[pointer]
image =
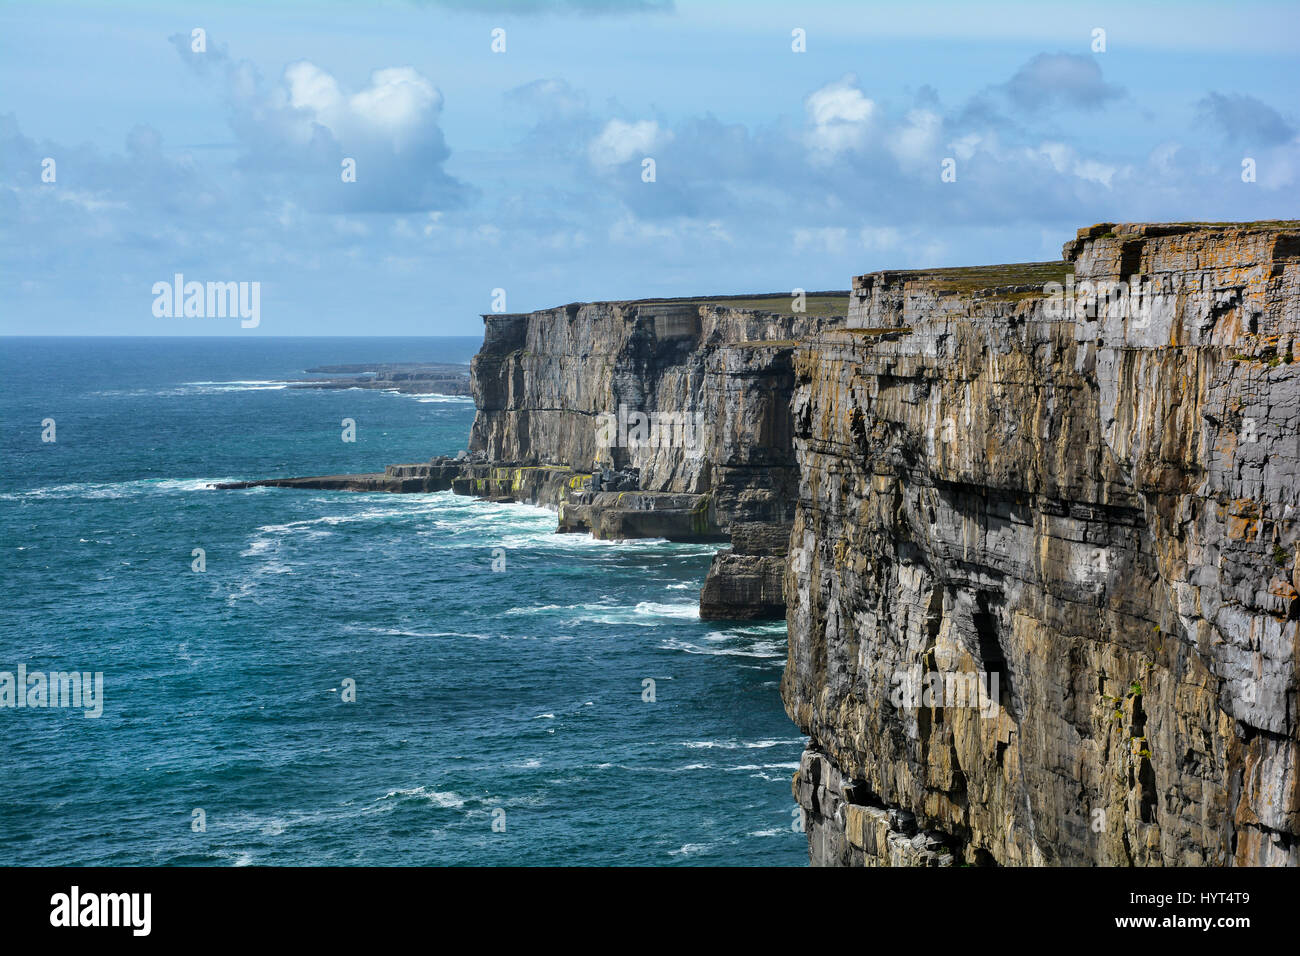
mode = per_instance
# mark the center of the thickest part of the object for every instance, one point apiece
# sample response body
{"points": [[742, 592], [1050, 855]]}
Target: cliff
{"points": [[1033, 529], [543, 381], [585, 390], [1042, 583], [411, 378]]}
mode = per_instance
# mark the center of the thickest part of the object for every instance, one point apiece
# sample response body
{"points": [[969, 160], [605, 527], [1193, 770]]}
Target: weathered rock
{"points": [[615, 515], [1100, 512], [544, 380], [411, 378], [1042, 581], [398, 479], [715, 375], [745, 582]]}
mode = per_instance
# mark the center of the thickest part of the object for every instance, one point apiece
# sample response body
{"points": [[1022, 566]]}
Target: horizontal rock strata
{"points": [[1033, 529], [544, 382], [1043, 579], [746, 582], [558, 395], [410, 378]]}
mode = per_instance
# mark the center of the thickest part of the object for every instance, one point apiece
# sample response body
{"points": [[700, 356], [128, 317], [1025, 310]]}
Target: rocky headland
{"points": [[657, 418], [409, 378], [1033, 529]]}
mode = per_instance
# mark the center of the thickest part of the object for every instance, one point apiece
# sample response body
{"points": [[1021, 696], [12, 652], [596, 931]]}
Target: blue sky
{"points": [[522, 170]]}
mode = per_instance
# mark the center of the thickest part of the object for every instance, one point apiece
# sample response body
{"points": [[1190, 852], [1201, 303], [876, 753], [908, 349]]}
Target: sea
{"points": [[330, 678]]}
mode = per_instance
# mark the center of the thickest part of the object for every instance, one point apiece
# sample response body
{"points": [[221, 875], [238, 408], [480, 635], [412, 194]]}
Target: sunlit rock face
{"points": [[1042, 581], [559, 392]]}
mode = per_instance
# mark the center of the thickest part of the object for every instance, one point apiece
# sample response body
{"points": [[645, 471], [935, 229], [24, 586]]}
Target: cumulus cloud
{"points": [[297, 133], [399, 105], [840, 115], [551, 98], [1245, 119], [620, 141], [1064, 159], [916, 140], [849, 183], [1060, 80]]}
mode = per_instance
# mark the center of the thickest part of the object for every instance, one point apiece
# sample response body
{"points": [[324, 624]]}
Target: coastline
{"points": [[846, 456]]}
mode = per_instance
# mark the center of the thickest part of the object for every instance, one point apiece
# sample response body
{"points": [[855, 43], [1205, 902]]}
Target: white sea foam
{"points": [[307, 526], [448, 799], [247, 383], [404, 632], [654, 609], [764, 766], [689, 848], [194, 388], [644, 614], [739, 744], [765, 650], [272, 539], [118, 489]]}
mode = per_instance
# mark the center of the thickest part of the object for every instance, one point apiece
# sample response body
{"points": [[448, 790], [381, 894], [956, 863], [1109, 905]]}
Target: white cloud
{"points": [[397, 104], [1164, 157], [1058, 154], [1065, 161], [840, 115], [88, 201], [311, 88], [915, 142], [965, 147], [1277, 167], [619, 141], [1095, 171], [398, 100], [880, 237]]}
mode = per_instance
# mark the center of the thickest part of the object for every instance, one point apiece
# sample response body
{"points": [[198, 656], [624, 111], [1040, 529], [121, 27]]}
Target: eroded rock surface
{"points": [[1097, 511], [543, 381], [1037, 557]]}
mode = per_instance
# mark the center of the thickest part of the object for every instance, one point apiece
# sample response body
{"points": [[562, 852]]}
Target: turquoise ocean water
{"points": [[481, 696]]}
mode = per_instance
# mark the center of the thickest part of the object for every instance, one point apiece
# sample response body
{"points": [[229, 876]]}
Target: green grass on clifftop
{"points": [[816, 303]]}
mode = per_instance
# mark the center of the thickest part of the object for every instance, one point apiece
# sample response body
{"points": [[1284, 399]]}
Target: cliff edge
{"points": [[1033, 529], [1042, 583]]}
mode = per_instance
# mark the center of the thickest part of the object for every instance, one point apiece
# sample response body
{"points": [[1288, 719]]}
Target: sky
{"points": [[500, 148]]}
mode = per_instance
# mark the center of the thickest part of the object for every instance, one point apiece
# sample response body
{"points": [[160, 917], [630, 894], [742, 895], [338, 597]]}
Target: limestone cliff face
{"points": [[543, 380], [1093, 517], [1034, 530]]}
